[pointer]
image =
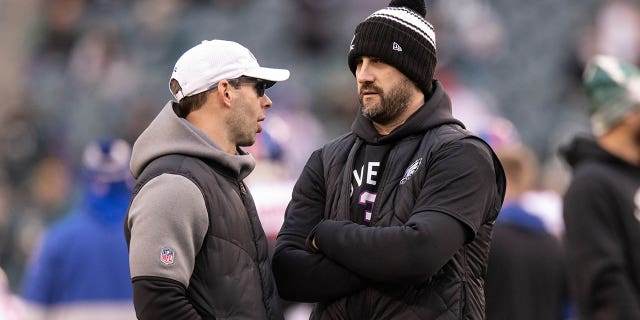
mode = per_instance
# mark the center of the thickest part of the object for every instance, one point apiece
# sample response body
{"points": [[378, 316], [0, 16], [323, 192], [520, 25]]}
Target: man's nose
{"points": [[265, 101]]}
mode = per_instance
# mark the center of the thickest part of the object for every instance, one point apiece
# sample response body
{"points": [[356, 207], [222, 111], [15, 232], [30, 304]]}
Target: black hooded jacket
{"points": [[423, 254], [602, 223]]}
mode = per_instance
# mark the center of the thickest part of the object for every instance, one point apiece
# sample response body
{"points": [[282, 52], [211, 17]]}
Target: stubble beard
{"points": [[390, 106], [242, 129]]}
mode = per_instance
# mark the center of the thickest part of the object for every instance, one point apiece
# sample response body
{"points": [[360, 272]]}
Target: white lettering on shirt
{"points": [[371, 172]]}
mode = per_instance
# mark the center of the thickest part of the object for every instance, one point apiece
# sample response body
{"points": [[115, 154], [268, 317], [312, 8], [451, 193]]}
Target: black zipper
{"points": [[243, 190]]}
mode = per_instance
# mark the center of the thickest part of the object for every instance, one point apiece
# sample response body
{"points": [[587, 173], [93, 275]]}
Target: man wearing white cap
{"points": [[197, 249]]}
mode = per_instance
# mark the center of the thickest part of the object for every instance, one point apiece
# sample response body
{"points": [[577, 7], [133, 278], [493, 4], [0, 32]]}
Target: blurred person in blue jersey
{"points": [[602, 203], [80, 270]]}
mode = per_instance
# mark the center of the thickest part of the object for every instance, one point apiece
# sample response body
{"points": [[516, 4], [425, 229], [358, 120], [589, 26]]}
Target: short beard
{"points": [[241, 132], [391, 105]]}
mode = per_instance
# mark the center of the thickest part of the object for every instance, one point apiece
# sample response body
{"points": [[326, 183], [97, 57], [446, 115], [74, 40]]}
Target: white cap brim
{"points": [[269, 74]]}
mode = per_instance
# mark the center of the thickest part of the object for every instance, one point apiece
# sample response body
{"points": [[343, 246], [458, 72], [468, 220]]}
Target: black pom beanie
{"points": [[401, 37]]}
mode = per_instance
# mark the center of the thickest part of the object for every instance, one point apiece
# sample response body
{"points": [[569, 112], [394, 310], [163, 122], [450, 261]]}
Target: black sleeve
{"points": [[157, 298], [403, 254], [302, 275], [458, 191]]}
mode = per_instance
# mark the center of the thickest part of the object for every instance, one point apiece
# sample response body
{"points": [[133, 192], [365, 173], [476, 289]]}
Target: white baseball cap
{"points": [[214, 60]]}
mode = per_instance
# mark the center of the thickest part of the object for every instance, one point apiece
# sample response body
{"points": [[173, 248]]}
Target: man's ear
{"points": [[224, 92]]}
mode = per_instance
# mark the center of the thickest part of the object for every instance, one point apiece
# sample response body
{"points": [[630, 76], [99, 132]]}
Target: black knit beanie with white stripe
{"points": [[400, 36]]}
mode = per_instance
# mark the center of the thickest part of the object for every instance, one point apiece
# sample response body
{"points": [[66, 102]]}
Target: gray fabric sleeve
{"points": [[168, 222]]}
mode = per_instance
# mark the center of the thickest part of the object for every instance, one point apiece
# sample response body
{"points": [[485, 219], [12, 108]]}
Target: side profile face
{"points": [[383, 90], [247, 111]]}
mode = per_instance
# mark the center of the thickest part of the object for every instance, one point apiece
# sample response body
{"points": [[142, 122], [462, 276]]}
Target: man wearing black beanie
{"points": [[393, 220]]}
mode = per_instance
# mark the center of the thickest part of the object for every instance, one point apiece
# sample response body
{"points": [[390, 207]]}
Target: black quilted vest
{"points": [[454, 292]]}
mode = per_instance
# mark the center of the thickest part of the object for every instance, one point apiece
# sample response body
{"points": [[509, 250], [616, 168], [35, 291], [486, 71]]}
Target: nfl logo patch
{"points": [[167, 256]]}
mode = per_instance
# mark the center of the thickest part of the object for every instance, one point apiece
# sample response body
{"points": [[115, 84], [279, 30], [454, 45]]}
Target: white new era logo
{"points": [[397, 47]]}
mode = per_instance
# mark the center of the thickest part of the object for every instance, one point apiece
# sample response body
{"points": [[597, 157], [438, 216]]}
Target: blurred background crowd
{"points": [[73, 71]]}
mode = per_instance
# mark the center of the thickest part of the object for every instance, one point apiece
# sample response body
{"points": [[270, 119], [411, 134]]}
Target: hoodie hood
{"points": [[170, 134], [583, 148], [435, 112]]}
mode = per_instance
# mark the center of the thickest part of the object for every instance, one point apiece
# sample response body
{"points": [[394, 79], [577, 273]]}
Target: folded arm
{"points": [[407, 253], [300, 274], [458, 191]]}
